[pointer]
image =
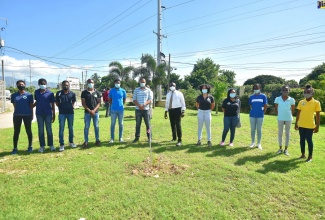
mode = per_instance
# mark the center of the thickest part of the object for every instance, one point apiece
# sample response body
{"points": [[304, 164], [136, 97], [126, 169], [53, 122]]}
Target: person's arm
{"points": [[83, 102], [124, 97], [183, 104], [53, 112], [197, 105], [212, 106], [276, 108], [297, 119], [316, 129], [292, 109], [265, 108]]}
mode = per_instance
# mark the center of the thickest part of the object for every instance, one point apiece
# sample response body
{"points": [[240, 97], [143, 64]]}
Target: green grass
{"points": [[188, 182]]}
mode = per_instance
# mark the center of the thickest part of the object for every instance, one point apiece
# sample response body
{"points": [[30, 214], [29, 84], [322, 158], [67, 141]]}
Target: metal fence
{"points": [[3, 106]]}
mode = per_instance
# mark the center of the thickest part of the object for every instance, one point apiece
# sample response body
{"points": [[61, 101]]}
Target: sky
{"points": [[59, 39]]}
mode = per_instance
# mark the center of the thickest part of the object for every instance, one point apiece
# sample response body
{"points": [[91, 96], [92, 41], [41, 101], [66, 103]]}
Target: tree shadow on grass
{"points": [[281, 166]]}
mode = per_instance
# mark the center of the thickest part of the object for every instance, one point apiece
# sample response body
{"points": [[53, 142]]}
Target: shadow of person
{"points": [[281, 166], [227, 151], [254, 159]]}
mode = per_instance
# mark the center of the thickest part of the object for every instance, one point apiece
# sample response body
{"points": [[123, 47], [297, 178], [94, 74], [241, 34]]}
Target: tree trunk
{"points": [[216, 108]]}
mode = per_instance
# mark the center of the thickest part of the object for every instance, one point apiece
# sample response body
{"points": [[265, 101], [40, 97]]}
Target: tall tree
{"points": [[220, 91], [122, 72], [204, 71], [318, 70], [229, 76], [264, 80], [96, 79]]}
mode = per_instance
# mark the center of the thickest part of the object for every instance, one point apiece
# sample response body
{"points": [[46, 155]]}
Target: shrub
{"points": [[190, 96], [322, 118]]}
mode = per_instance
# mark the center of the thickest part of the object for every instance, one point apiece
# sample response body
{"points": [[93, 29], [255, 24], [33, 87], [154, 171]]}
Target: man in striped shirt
{"points": [[142, 99]]}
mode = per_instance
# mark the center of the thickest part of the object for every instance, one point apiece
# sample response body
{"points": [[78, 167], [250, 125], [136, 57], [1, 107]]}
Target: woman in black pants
{"points": [[23, 104]]}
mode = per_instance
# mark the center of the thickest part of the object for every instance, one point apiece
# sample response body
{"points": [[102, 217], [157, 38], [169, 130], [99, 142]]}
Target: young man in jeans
{"points": [[305, 122], [45, 114], [65, 100], [117, 98], [91, 99]]}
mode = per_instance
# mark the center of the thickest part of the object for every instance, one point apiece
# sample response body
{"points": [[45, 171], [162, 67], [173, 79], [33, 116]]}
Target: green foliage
{"points": [[322, 118], [264, 80], [205, 71], [219, 92], [229, 77], [190, 96], [244, 99], [318, 70]]}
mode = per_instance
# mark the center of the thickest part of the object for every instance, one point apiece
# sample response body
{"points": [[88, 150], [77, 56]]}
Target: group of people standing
{"points": [[175, 107]]}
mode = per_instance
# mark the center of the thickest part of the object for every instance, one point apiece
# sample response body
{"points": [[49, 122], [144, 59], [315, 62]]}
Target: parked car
{"points": [[7, 93]]}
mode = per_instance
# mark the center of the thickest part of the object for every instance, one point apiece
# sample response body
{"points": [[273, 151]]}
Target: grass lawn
{"points": [[116, 181]]}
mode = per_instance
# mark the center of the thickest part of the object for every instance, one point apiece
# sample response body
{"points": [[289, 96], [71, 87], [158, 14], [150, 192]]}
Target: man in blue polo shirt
{"points": [[45, 114], [23, 105], [117, 98], [65, 100]]}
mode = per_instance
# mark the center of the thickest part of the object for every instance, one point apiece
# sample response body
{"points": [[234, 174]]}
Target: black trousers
{"points": [[175, 122], [306, 134], [28, 127]]}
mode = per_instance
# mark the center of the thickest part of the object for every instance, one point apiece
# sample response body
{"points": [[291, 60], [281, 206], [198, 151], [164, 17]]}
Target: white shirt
{"points": [[178, 100]]}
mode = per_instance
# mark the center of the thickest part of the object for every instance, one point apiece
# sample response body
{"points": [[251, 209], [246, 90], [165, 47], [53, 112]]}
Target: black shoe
{"points": [[172, 140], [198, 143], [135, 140], [98, 142], [179, 143]]}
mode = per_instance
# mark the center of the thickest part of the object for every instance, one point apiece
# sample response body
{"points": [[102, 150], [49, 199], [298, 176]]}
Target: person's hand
{"points": [[316, 129], [166, 115], [141, 107], [296, 127], [183, 114], [53, 118], [92, 112]]}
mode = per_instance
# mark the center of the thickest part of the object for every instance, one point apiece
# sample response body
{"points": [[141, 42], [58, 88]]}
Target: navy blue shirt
{"points": [[231, 107], [43, 102], [22, 103], [65, 101], [205, 103]]}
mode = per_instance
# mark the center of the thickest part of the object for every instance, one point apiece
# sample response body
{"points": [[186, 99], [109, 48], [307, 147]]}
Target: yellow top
{"points": [[307, 110]]}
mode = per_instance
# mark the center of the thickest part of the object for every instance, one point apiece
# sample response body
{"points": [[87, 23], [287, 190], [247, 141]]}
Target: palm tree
{"points": [[123, 72]]}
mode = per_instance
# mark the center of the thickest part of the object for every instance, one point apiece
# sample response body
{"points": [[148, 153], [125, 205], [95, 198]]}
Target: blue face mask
{"points": [[257, 91], [232, 95], [42, 86], [117, 85], [142, 84], [90, 85], [204, 91]]}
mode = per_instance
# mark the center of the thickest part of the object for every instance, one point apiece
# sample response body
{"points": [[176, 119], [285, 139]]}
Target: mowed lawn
{"points": [[116, 181]]}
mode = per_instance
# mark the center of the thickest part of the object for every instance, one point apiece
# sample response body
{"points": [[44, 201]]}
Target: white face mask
{"points": [[117, 85], [172, 88], [142, 84], [204, 91], [256, 91], [42, 86], [232, 95], [90, 85]]}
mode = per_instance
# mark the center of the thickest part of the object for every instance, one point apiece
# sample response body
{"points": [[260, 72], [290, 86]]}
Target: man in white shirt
{"points": [[175, 106]]}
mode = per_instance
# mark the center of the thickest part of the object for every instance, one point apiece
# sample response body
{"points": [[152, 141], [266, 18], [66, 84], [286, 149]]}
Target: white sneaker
{"points": [[61, 148], [231, 144], [286, 153], [52, 148], [259, 146], [279, 151], [111, 141], [121, 140], [252, 145], [41, 150], [73, 145]]}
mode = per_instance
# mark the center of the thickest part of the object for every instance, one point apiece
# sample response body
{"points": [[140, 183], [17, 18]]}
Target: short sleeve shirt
{"points": [[44, 101], [307, 110], [117, 96], [65, 101], [91, 99], [22, 103], [231, 107], [205, 103], [141, 96], [257, 102], [284, 108]]}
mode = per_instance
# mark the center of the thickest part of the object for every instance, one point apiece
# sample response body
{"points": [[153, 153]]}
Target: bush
{"points": [[190, 96], [322, 118]]}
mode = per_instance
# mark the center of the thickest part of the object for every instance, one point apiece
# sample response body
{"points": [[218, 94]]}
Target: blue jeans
{"points": [[229, 123], [120, 116], [47, 119], [139, 114], [87, 119], [256, 124], [69, 118]]}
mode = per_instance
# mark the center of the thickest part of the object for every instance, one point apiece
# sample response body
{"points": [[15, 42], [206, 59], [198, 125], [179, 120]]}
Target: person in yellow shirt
{"points": [[305, 122]]}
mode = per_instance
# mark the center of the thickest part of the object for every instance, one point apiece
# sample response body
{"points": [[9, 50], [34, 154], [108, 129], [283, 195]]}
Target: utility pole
{"points": [[59, 81], [82, 81], [159, 36]]}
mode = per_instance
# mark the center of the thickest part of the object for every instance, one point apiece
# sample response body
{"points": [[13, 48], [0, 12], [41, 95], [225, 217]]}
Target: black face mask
{"points": [[66, 88], [21, 88]]}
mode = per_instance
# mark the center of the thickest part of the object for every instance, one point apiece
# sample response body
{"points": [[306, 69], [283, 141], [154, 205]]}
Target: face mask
{"points": [[256, 91], [232, 95], [66, 88], [142, 84], [117, 85], [90, 85], [285, 93], [21, 88], [204, 90], [172, 88], [42, 86], [307, 96]]}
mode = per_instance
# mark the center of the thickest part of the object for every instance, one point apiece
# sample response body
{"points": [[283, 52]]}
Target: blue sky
{"points": [[251, 37]]}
